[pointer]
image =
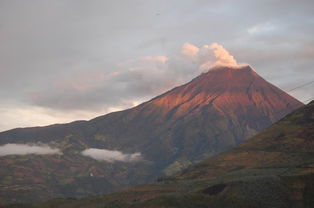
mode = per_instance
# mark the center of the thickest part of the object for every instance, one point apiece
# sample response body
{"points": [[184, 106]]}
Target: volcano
{"points": [[212, 113]]}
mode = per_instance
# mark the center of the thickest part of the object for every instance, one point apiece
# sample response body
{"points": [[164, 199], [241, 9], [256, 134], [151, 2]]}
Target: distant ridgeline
{"points": [[211, 114]]}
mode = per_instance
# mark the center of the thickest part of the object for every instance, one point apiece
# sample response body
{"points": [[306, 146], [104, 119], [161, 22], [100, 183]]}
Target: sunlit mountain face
{"points": [[212, 113], [272, 169]]}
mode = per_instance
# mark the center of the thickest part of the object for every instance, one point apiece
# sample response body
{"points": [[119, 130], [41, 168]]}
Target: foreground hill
{"points": [[273, 169], [214, 112]]}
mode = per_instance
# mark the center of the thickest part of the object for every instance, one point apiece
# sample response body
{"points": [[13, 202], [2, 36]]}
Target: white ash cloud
{"points": [[208, 56], [222, 55], [111, 155], [25, 149]]}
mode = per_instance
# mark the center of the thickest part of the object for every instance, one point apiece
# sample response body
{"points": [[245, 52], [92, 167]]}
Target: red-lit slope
{"points": [[215, 111], [237, 92]]}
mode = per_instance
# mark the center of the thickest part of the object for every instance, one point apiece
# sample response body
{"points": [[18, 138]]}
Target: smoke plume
{"points": [[222, 55], [208, 56]]}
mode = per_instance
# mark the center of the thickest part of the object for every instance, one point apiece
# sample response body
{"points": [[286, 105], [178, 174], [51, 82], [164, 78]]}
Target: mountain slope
{"points": [[273, 169], [286, 144], [212, 113]]}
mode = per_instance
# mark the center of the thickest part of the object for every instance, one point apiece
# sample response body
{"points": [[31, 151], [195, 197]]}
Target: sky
{"points": [[68, 60]]}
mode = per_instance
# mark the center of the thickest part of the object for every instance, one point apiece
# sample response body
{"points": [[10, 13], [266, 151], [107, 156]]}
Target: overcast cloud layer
{"points": [[68, 60]]}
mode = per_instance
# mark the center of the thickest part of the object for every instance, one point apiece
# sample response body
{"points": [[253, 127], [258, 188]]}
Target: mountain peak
{"points": [[233, 70], [230, 90], [232, 67]]}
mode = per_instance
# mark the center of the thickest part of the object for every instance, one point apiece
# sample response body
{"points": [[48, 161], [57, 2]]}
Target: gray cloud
{"points": [[76, 55], [111, 155], [25, 149], [138, 78]]}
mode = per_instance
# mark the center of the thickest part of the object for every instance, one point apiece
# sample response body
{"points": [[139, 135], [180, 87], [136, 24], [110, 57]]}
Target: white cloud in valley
{"points": [[111, 155], [25, 149]]}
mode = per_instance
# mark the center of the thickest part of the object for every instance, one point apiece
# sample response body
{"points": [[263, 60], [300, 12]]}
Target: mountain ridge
{"points": [[262, 172], [171, 131]]}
